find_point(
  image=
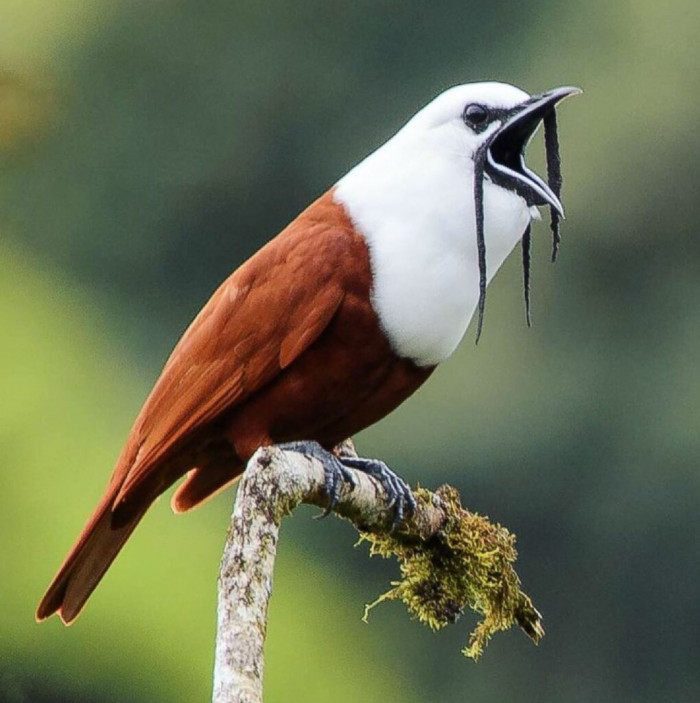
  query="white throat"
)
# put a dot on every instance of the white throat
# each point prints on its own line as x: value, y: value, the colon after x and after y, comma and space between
x: 413, y: 201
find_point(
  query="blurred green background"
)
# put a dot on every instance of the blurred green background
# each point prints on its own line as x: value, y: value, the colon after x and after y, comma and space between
x: 147, y: 148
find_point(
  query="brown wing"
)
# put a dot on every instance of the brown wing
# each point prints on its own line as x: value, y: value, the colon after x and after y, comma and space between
x: 256, y: 324
x: 261, y: 319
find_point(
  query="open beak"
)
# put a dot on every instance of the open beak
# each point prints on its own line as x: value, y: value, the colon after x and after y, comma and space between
x: 505, y: 157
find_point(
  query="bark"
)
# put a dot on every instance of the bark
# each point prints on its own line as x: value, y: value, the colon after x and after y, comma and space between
x: 274, y: 483
x: 451, y: 560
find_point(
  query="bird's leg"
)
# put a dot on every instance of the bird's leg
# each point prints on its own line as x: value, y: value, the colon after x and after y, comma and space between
x: 333, y: 468
x: 336, y: 470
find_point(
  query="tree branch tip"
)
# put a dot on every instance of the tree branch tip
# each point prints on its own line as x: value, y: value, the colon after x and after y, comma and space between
x: 450, y: 559
x: 467, y: 563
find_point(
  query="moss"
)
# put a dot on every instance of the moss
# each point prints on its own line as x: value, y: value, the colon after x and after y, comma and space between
x: 468, y: 563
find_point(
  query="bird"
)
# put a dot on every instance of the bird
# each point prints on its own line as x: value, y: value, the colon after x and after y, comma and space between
x: 335, y: 321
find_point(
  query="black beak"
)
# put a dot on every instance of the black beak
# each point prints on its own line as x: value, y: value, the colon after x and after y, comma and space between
x: 505, y: 156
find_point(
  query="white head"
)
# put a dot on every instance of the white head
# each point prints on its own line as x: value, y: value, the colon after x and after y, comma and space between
x: 414, y: 201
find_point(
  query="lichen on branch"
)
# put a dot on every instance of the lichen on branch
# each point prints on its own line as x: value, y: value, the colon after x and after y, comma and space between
x: 467, y: 563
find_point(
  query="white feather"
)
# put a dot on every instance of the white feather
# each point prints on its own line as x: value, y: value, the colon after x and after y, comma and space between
x: 413, y: 201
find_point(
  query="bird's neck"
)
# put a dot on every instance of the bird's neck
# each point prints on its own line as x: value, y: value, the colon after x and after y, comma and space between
x: 413, y: 202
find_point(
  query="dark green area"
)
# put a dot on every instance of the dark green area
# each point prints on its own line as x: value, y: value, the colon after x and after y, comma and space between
x: 177, y: 136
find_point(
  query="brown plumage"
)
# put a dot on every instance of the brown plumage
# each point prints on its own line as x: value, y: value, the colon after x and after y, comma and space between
x: 288, y: 348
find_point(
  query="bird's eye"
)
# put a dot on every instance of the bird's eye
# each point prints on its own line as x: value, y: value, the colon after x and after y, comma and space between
x: 475, y: 114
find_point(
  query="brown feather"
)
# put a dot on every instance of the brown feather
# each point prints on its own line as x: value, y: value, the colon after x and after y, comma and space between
x: 289, y: 347
x: 91, y: 556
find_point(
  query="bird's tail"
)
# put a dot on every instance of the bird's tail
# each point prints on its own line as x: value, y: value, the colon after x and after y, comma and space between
x: 110, y: 525
x: 98, y: 544
x: 96, y: 548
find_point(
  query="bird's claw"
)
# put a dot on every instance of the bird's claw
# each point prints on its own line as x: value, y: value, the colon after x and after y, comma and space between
x: 336, y: 473
x: 400, y: 497
x: 337, y: 470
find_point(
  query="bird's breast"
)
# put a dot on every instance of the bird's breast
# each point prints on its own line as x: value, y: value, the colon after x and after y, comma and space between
x: 418, y: 221
x: 424, y: 296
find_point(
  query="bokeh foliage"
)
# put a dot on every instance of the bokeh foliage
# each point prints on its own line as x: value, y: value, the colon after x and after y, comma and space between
x: 147, y: 148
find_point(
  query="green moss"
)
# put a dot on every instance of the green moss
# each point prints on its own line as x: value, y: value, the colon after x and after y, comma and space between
x: 467, y: 564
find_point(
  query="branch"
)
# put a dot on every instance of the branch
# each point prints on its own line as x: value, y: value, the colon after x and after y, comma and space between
x: 440, y: 539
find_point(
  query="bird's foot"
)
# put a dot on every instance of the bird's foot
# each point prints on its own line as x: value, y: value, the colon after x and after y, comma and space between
x: 335, y: 472
x: 398, y: 491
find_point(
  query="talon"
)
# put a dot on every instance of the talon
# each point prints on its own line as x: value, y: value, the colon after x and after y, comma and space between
x: 334, y: 471
x: 412, y: 505
x: 398, y: 517
x: 337, y: 470
x: 335, y: 474
x: 397, y: 490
